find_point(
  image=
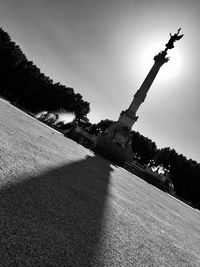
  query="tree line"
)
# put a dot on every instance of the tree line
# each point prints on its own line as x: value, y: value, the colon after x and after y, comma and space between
x: 22, y: 83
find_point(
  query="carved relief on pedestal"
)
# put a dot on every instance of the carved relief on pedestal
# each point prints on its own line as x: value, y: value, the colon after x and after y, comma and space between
x: 119, y: 134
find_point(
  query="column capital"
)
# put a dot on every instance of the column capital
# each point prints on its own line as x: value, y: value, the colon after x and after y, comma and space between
x: 161, y: 58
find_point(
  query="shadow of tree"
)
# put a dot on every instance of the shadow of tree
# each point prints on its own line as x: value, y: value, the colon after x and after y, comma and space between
x: 54, y: 219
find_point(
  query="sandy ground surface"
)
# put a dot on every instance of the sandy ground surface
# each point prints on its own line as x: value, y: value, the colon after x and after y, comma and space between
x: 61, y: 205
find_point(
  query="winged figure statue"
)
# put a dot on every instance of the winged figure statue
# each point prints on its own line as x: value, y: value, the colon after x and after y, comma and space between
x: 173, y: 39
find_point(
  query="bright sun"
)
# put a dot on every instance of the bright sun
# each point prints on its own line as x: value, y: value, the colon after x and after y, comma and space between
x: 173, y: 67
x: 143, y: 59
x: 170, y: 69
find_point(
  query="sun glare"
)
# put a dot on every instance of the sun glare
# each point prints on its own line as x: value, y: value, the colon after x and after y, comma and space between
x: 66, y: 117
x: 169, y: 70
x: 173, y: 68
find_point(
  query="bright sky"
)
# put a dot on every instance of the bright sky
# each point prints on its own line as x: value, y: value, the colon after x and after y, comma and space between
x: 105, y: 48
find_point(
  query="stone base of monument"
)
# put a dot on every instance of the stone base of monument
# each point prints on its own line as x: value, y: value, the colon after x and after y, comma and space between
x: 112, y: 151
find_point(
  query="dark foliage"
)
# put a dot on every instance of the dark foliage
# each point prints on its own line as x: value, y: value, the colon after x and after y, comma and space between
x: 99, y: 127
x: 185, y: 174
x: 23, y: 84
x: 143, y: 148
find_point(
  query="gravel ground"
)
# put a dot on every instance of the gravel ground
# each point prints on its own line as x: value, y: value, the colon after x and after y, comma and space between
x: 61, y: 205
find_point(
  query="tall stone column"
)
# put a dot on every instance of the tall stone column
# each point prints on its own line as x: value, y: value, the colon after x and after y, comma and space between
x: 128, y: 118
x: 120, y: 132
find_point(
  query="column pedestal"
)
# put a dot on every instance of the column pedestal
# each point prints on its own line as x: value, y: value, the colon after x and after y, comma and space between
x: 127, y: 118
x: 113, y: 151
x: 115, y: 142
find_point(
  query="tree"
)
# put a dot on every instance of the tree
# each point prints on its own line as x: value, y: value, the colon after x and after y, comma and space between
x: 24, y: 84
x: 185, y: 174
x: 103, y: 125
x: 99, y: 127
x: 143, y: 148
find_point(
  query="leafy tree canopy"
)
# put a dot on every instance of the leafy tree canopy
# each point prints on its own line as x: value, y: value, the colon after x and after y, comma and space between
x: 24, y: 84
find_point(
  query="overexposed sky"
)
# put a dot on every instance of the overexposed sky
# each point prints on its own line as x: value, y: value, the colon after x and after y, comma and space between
x: 104, y: 50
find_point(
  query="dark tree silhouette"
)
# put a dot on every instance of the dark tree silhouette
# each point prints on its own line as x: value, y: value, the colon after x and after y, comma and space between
x: 103, y: 125
x: 143, y: 148
x: 99, y: 127
x: 185, y: 174
x: 25, y: 85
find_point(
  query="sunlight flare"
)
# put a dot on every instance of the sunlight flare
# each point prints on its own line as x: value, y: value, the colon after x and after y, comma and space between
x: 171, y: 69
x: 66, y: 117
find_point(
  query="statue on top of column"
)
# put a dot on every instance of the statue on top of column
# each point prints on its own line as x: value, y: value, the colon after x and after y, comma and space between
x: 173, y: 39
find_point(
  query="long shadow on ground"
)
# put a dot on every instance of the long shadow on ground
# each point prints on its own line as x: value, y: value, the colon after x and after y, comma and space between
x: 54, y: 219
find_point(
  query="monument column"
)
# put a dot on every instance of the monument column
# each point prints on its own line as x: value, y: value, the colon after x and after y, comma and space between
x: 128, y: 117
x: 115, y: 142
